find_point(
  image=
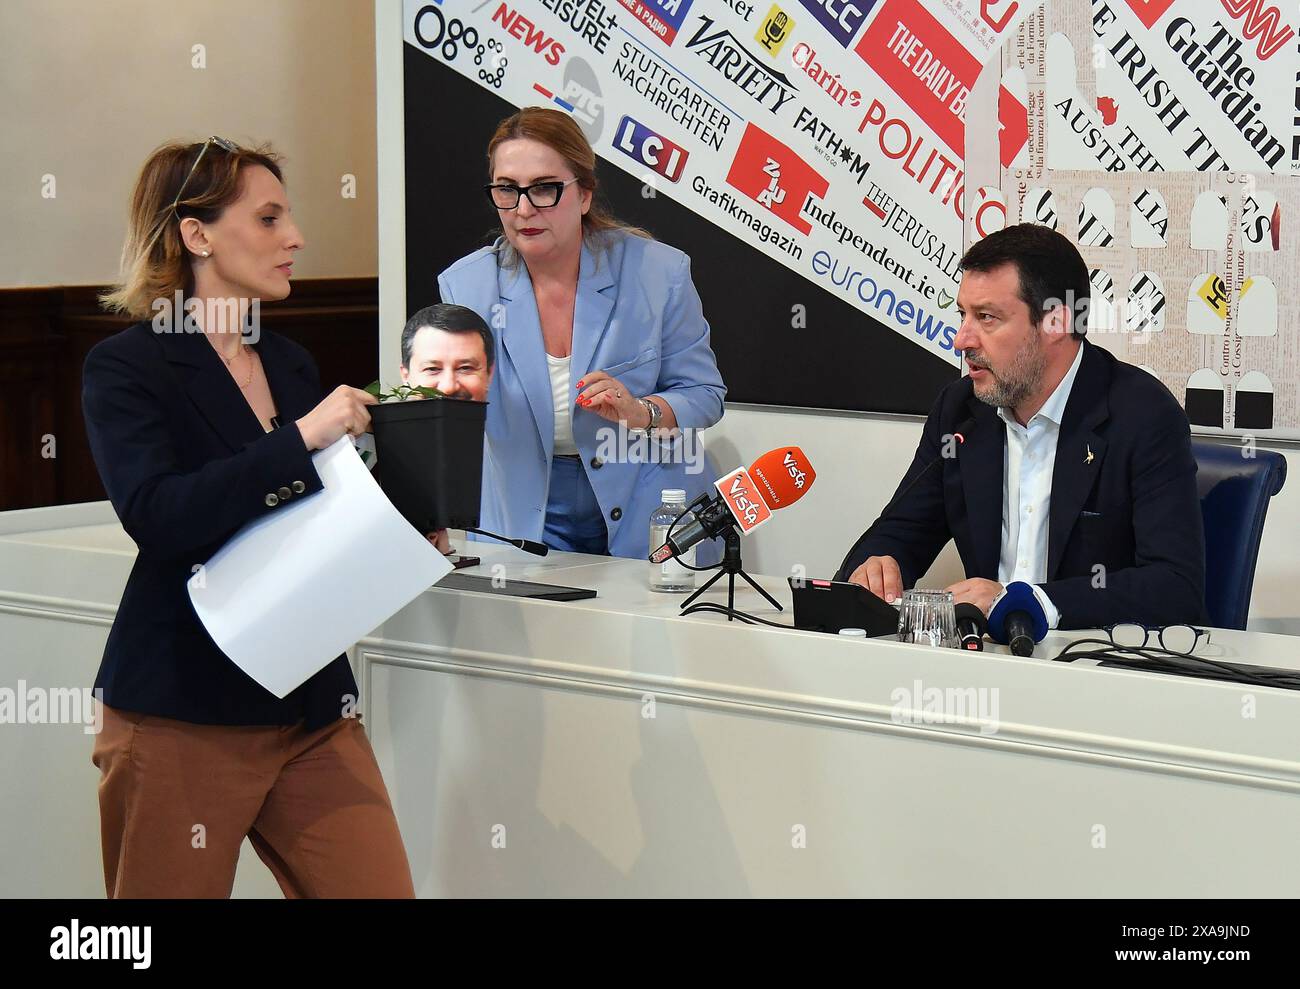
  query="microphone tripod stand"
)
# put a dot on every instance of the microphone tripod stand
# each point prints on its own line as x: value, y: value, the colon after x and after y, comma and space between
x: 732, y: 568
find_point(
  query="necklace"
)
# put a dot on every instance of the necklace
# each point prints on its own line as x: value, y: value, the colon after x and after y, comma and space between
x: 246, y: 350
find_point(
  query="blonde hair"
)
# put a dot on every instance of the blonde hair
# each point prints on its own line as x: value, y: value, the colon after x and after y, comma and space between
x: 155, y: 261
x: 561, y: 133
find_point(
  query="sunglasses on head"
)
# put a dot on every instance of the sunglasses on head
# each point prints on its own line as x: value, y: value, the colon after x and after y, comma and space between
x: 223, y: 144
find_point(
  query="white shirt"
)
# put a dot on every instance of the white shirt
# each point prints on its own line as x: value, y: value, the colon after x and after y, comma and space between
x: 558, y: 367
x: 1030, y: 457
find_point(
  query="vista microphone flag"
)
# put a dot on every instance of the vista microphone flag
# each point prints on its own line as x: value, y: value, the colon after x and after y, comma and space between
x: 740, y: 494
x: 746, y: 499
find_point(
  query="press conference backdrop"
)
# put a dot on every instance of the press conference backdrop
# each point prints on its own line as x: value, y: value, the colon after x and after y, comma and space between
x: 812, y: 156
x: 686, y: 155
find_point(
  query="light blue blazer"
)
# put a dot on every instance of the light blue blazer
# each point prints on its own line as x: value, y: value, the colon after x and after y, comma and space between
x: 637, y: 317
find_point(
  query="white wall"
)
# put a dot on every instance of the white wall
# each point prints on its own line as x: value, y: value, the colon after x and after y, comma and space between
x: 859, y: 461
x: 90, y: 88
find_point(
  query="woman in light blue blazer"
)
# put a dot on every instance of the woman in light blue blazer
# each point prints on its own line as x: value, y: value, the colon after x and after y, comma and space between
x: 604, y: 369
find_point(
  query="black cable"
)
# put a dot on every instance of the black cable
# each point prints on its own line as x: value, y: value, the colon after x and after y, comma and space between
x: 1153, y: 654
x: 1154, y: 659
x: 1156, y: 664
x: 722, y: 609
x: 669, y: 536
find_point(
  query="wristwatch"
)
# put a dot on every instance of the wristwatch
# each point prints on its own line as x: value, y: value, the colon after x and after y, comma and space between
x: 656, y: 414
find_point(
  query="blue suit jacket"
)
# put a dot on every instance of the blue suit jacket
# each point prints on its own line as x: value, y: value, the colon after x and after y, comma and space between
x: 637, y: 317
x: 1129, y: 512
x: 186, y: 464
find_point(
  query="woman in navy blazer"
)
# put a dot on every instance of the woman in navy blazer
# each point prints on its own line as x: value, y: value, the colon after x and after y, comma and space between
x: 199, y: 426
x: 604, y: 370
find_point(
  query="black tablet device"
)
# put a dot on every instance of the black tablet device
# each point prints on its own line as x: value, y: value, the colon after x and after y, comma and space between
x: 830, y: 605
x: 514, y: 588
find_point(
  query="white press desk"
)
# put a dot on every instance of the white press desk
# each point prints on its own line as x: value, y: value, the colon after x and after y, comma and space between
x: 610, y: 747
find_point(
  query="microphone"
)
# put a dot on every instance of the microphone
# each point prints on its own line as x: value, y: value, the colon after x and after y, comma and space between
x: 745, y: 499
x: 959, y: 434
x: 1018, y: 620
x: 527, y: 545
x: 971, y: 626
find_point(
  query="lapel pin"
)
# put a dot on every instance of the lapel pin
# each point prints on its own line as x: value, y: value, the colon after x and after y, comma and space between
x: 1089, y: 458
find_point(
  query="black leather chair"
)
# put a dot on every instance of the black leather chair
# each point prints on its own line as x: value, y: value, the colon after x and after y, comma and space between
x: 1234, y: 491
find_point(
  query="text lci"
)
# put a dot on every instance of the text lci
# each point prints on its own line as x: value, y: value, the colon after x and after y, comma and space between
x: 655, y: 151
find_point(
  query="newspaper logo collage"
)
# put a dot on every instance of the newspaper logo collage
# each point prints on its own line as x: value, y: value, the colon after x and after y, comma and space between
x: 863, y: 144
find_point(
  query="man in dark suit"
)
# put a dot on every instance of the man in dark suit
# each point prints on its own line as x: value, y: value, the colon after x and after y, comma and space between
x: 1050, y: 462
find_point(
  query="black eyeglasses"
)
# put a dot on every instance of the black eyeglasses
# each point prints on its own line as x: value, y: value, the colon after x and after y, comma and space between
x: 227, y: 146
x: 542, y: 195
x: 1172, y: 638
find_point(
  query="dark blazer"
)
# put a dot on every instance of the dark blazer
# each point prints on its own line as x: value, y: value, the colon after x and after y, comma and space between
x: 1132, y: 510
x: 186, y: 463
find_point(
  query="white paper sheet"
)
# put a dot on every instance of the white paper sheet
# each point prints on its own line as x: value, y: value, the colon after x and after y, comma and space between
x: 291, y: 591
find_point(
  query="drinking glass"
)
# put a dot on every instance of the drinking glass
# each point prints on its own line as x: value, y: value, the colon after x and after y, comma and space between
x: 927, y: 617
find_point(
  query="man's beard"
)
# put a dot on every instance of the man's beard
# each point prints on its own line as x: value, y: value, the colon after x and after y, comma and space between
x: 1018, y: 380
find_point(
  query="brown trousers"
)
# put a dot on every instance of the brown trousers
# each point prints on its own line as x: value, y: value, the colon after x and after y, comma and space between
x: 176, y: 801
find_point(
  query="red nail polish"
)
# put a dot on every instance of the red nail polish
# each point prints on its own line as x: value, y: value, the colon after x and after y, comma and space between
x: 581, y: 384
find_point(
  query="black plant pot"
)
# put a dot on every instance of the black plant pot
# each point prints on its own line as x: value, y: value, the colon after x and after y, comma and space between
x: 430, y: 460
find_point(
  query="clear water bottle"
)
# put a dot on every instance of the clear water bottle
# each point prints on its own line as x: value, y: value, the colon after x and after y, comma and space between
x: 670, y: 575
